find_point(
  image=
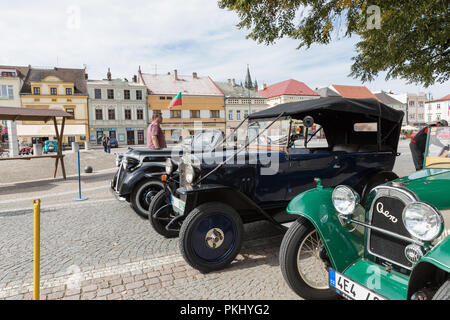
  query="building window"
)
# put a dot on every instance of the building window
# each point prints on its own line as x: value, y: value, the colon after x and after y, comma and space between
x: 111, y: 114
x: 168, y: 98
x: 245, y: 113
x: 175, y: 114
x: 438, y: 106
x: 126, y: 94
x: 6, y: 91
x: 230, y: 115
x: 238, y: 115
x: 155, y: 112
x: 140, y: 114
x: 162, y: 98
x: 98, y: 114
x: 127, y: 114
x: 68, y: 91
x: 53, y: 91
x: 110, y: 93
x: 195, y: 113
x: 36, y: 90
x: 98, y: 93
x: 138, y: 94
x: 215, y: 114
x: 71, y: 111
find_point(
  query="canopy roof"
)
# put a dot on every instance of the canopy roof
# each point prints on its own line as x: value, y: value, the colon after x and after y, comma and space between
x: 31, y: 114
x: 323, y: 109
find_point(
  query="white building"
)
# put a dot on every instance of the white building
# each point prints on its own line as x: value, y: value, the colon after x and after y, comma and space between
x: 240, y: 102
x: 287, y: 91
x: 437, y: 109
x: 118, y: 109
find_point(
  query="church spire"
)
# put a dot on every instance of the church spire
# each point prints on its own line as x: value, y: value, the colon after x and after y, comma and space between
x: 248, y: 80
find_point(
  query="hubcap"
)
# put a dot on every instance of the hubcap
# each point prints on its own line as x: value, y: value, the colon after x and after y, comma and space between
x: 214, y: 238
x: 310, y: 265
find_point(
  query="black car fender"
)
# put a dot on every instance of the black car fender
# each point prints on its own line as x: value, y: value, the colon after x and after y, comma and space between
x: 370, y: 181
x: 247, y: 209
x: 143, y: 172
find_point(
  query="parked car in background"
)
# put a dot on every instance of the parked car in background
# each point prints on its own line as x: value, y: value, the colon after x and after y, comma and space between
x: 114, y: 143
x: 138, y: 177
x: 220, y: 192
x: 25, y: 149
x: 50, y: 146
x: 395, y: 245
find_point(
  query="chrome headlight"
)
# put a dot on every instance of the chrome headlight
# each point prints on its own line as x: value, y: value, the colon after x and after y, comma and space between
x: 345, y: 199
x: 169, y: 166
x: 423, y: 221
x: 189, y: 173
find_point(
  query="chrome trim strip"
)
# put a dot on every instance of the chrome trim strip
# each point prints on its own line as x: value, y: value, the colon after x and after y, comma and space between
x: 387, y: 232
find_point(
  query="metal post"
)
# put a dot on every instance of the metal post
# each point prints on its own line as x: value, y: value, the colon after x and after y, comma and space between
x: 80, y: 198
x: 36, y: 257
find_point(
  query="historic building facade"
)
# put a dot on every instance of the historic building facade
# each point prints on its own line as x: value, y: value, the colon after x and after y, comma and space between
x: 56, y: 88
x: 118, y: 109
x: 240, y: 102
x: 202, y: 103
x: 438, y: 109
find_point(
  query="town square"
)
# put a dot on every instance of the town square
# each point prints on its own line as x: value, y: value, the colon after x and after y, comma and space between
x: 225, y: 151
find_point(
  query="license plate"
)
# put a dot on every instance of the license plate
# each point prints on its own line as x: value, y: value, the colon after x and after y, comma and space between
x: 351, y: 289
x: 178, y: 204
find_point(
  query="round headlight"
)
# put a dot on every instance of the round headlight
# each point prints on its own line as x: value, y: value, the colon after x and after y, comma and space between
x: 344, y: 199
x: 422, y: 221
x: 169, y: 166
x: 189, y: 173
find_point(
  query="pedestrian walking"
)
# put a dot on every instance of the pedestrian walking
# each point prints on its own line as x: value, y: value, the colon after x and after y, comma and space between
x: 418, y: 143
x: 155, y: 136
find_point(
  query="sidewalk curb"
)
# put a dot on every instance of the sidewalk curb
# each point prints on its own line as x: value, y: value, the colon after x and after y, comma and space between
x: 75, y: 176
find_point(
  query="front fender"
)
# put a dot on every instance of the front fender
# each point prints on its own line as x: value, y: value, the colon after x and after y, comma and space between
x: 439, y: 256
x: 145, y: 171
x: 343, y: 245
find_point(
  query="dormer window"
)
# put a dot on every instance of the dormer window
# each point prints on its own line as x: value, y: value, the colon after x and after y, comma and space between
x: 68, y: 91
x: 53, y: 91
x: 36, y: 90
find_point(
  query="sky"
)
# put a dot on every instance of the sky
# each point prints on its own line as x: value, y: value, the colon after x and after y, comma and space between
x: 161, y: 36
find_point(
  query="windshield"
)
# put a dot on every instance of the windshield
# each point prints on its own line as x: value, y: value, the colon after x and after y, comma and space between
x: 437, y: 153
x: 206, y: 139
x: 276, y: 135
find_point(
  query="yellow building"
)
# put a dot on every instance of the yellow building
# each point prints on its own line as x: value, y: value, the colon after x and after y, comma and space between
x: 58, y: 88
x: 203, y: 103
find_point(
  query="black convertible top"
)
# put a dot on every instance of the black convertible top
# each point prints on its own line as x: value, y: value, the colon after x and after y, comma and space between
x: 322, y: 107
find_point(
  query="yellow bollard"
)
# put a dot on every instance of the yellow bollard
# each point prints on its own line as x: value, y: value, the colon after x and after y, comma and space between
x: 37, y: 256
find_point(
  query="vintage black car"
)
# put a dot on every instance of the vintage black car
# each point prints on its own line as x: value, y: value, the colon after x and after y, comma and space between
x: 137, y: 179
x: 221, y: 190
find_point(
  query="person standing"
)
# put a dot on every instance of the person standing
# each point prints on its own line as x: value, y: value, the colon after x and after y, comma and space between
x: 108, y: 144
x: 155, y: 136
x: 105, y: 146
x: 418, y: 144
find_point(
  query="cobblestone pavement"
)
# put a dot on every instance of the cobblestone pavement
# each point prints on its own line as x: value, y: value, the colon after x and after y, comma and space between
x: 103, y: 249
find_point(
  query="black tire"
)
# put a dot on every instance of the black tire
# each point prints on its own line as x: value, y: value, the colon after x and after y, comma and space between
x: 138, y: 197
x: 159, y: 200
x: 211, y: 217
x: 290, y: 245
x: 444, y: 292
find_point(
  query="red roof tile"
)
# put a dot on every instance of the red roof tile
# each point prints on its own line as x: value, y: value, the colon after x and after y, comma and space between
x: 447, y: 97
x: 288, y: 87
x: 355, y: 92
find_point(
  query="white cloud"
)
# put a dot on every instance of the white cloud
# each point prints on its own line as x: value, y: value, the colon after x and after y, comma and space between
x: 190, y: 36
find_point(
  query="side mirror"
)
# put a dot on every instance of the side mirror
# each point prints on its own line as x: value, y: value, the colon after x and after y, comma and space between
x: 308, y: 121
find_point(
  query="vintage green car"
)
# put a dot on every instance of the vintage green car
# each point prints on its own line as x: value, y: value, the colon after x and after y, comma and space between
x: 396, y: 245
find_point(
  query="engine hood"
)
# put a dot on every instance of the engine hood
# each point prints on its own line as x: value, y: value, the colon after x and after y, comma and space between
x: 430, y: 185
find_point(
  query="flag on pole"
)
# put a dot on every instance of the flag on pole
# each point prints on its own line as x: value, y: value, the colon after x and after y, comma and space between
x: 177, y: 101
